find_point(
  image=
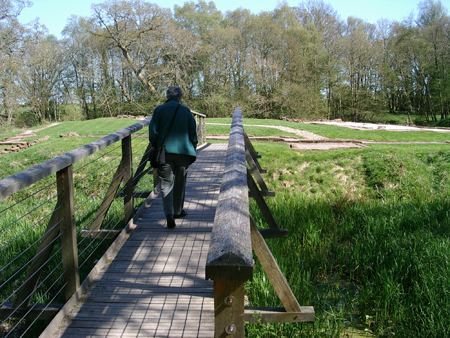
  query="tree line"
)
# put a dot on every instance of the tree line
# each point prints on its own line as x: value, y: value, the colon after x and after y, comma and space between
x: 300, y: 62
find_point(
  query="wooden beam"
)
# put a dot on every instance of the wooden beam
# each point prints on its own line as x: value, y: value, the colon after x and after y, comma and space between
x: 100, y: 234
x: 261, y: 203
x: 142, y: 164
x: 109, y: 198
x: 229, y: 308
x: 269, y: 193
x: 255, y: 172
x: 278, y: 315
x: 270, y: 266
x: 141, y: 194
x: 269, y: 233
x: 33, y: 311
x: 31, y: 175
x: 254, y: 153
x: 69, y: 250
x: 230, y: 255
x: 128, y: 187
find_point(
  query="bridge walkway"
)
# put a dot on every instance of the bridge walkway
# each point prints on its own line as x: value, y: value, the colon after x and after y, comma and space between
x: 155, y: 286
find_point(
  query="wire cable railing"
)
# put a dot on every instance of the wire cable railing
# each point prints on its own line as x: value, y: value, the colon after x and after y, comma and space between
x: 59, y: 218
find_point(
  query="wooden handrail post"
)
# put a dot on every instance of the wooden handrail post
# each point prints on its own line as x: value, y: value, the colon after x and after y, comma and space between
x: 229, y: 308
x: 127, y: 164
x: 69, y: 250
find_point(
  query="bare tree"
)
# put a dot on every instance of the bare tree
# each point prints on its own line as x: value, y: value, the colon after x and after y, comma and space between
x: 137, y: 29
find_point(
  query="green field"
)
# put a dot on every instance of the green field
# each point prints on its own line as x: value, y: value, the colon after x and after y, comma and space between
x: 369, y: 243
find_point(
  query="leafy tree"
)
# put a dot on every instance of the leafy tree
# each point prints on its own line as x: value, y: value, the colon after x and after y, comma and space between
x: 41, y: 74
x: 12, y: 35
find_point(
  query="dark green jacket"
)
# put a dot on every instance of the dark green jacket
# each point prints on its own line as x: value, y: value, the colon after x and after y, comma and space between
x: 183, y: 135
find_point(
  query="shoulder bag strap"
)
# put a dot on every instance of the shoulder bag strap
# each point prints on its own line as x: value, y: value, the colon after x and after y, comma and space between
x: 171, y: 124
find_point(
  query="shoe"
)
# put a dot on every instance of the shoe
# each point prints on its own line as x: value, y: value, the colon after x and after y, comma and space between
x: 183, y: 213
x: 170, y: 221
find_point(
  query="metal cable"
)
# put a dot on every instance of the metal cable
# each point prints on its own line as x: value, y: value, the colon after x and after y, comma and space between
x: 23, y: 252
x: 21, y: 319
x: 17, y: 289
x: 92, y: 172
x: 29, y: 212
x: 29, y: 228
x: 99, y: 155
x: 48, y: 304
x: 33, y: 194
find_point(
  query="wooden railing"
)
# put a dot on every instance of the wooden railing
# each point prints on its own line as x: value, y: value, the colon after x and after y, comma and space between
x: 230, y: 261
x: 65, y: 233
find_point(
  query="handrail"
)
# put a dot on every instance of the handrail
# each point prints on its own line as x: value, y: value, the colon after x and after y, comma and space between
x: 27, y: 177
x: 230, y: 262
x: 230, y: 255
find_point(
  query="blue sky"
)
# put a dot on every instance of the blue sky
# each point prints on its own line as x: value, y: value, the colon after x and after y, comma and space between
x: 54, y: 13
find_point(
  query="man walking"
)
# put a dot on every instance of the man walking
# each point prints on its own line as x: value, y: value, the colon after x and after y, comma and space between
x: 180, y: 151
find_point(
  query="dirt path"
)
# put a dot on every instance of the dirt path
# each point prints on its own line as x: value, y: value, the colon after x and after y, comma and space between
x: 313, y: 141
x: 28, y: 133
x: 302, y: 133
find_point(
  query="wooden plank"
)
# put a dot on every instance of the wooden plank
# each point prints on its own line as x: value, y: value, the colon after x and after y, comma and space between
x: 109, y: 198
x: 271, y: 222
x: 128, y: 187
x: 33, y: 311
x: 230, y: 256
x: 31, y: 175
x: 69, y: 249
x: 100, y: 234
x: 229, y: 308
x: 278, y: 315
x: 273, y: 271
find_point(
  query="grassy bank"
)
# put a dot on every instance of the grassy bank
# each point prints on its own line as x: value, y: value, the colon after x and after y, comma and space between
x: 369, y: 240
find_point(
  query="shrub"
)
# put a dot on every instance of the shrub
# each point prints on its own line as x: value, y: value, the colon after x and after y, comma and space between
x: 444, y: 123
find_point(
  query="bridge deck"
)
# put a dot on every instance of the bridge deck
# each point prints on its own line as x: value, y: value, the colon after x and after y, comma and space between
x: 155, y: 286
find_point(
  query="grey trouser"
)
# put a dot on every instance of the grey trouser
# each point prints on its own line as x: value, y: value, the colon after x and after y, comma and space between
x: 173, y: 182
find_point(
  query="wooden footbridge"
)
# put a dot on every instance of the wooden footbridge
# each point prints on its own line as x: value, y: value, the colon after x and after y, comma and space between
x: 160, y: 282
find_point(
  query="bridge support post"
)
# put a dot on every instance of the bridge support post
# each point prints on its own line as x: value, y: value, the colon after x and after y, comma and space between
x: 69, y: 248
x: 229, y: 308
x: 127, y: 177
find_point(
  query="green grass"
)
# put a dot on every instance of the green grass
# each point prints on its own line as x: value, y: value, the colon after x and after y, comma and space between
x: 369, y: 239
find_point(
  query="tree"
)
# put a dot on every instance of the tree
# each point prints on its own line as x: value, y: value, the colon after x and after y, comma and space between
x: 325, y: 30
x: 41, y: 72
x: 12, y: 35
x: 138, y: 30
x: 434, y: 25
